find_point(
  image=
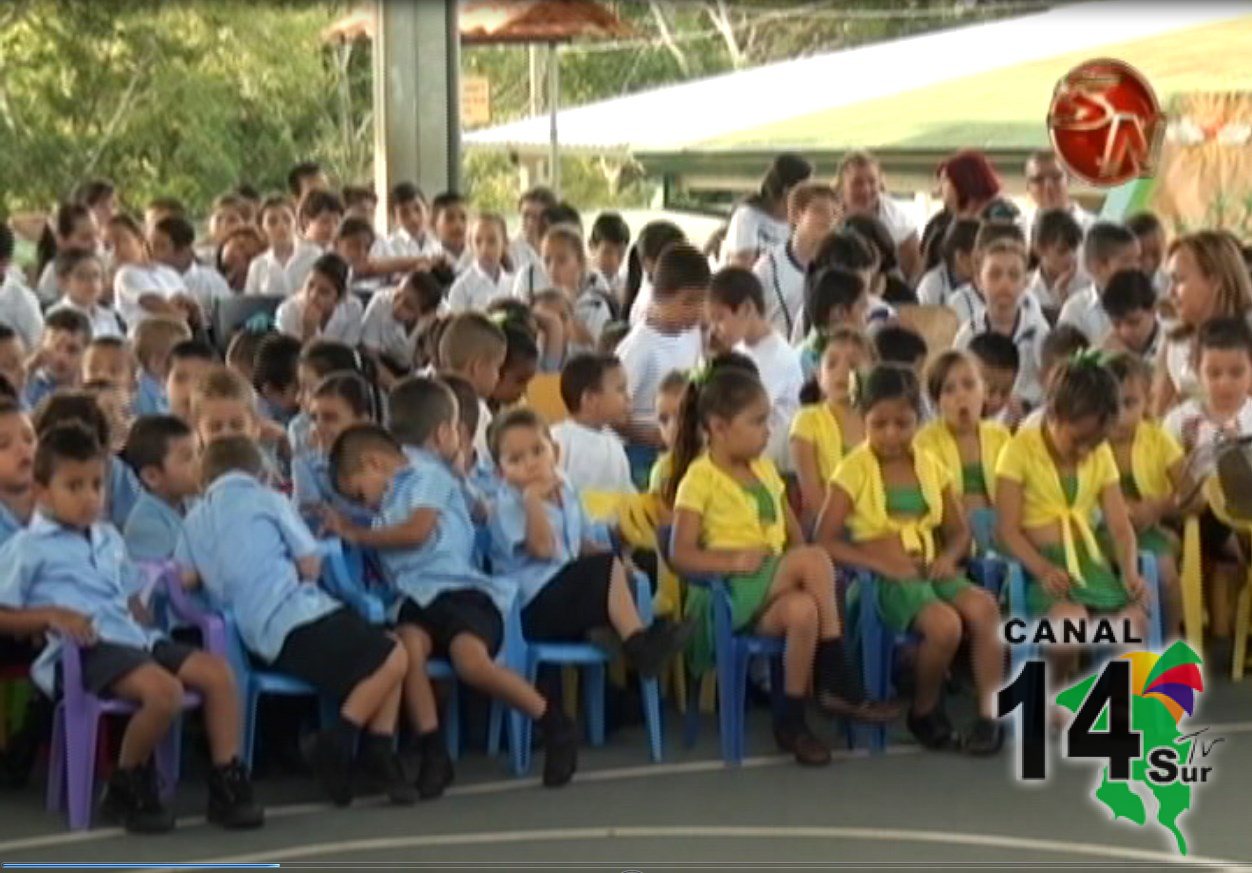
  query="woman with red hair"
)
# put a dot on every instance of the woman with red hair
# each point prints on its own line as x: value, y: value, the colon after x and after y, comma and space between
x: 968, y: 185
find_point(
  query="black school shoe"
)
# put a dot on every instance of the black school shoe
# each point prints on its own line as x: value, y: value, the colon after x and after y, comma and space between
x: 648, y: 650
x: 435, y: 772
x: 804, y: 745
x: 230, y: 798
x: 933, y: 730
x: 131, y: 798
x: 332, y: 765
x: 985, y: 737
x: 380, y: 766
x: 560, y: 747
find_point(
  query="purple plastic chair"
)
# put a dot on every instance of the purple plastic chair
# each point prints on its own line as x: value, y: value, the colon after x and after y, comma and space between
x: 75, y: 730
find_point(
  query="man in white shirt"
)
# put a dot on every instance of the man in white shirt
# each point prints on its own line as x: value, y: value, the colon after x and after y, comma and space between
x: 863, y: 193
x: 524, y: 248
x: 1109, y: 248
x: 812, y: 208
x: 591, y: 454
x: 1047, y: 183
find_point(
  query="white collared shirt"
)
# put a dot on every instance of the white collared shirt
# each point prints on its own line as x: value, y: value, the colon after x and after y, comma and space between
x: 899, y: 223
x: 783, y: 281
x: 206, y: 285
x: 269, y: 276
x: 936, y: 286
x: 134, y: 281
x: 1047, y: 296
x: 752, y: 231
x: 344, y: 323
x: 1029, y: 332
x: 522, y: 254
x: 593, y: 459
x: 648, y: 356
x: 474, y: 289
x: 779, y: 366
x: 19, y: 309
x: 1084, y: 311
x: 383, y: 334
x: 401, y: 244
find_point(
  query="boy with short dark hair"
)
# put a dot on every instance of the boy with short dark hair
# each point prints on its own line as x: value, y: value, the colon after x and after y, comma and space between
x: 189, y: 361
x: 320, y: 214
x: 450, y: 220
x: 66, y: 573
x: 1109, y: 249
x: 1150, y: 232
x: 783, y: 270
x: 608, y: 242
x: 57, y: 363
x: 410, y: 237
x: 252, y: 552
x: 173, y: 243
x: 591, y: 454
x: 1055, y: 239
x: 474, y: 347
x: 1130, y: 303
x: 163, y: 452
x: 998, y: 363
x: 425, y: 539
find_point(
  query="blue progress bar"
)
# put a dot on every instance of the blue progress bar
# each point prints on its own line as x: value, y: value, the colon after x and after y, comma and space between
x: 114, y: 866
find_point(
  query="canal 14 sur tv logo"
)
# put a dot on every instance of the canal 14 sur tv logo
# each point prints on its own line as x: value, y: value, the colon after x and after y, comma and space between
x: 1129, y: 715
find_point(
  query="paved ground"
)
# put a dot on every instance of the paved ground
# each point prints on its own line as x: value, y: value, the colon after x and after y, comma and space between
x: 905, y: 807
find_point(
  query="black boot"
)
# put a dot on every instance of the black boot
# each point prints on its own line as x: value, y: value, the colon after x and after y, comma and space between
x: 23, y: 749
x: 333, y: 750
x: 933, y: 730
x: 381, y: 766
x: 131, y: 797
x: 230, y: 798
x: 792, y: 734
x: 560, y: 747
x: 648, y: 650
x: 839, y: 690
x: 984, y: 738
x: 435, y: 772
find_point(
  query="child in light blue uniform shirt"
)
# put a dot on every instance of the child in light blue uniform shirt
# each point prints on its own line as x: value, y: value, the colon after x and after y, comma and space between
x: 336, y: 403
x: 164, y: 451
x: 250, y: 549
x: 67, y: 572
x: 539, y: 539
x: 449, y: 609
x: 153, y: 340
x: 150, y: 397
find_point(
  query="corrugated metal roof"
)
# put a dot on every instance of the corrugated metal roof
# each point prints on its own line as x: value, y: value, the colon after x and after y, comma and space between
x: 483, y: 22
x: 719, y: 106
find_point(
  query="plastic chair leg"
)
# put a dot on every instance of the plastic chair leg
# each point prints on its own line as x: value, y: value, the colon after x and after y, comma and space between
x: 593, y: 678
x: 738, y: 701
x: 495, y: 725
x: 726, y: 703
x: 691, y: 712
x: 1192, y: 585
x: 527, y: 727
x: 650, y: 689
x: 1243, y: 617
x: 55, y: 799
x: 251, y: 703
x: 452, y: 721
x: 80, y: 761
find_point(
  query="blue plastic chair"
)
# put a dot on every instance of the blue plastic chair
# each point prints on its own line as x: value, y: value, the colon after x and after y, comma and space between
x: 732, y: 652
x: 641, y: 458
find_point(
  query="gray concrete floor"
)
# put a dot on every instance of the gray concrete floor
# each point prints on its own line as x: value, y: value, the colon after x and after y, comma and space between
x: 905, y: 807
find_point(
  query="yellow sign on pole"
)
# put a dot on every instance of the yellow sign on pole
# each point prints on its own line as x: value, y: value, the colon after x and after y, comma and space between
x: 475, y: 100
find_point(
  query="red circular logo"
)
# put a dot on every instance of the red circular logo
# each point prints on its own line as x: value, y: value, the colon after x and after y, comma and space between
x: 1105, y: 123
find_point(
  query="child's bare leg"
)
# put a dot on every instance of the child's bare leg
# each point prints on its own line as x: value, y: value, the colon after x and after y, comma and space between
x: 794, y: 616
x: 419, y: 695
x: 159, y: 696
x: 981, y: 617
x: 808, y: 569
x: 474, y: 664
x: 623, y: 614
x: 211, y: 676
x: 373, y: 694
x: 1062, y: 659
x: 940, y: 627
x: 1171, y: 595
x: 1137, y: 616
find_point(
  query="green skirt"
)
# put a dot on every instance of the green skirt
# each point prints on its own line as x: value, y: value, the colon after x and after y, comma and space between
x: 747, y: 595
x: 1103, y: 591
x: 901, y: 602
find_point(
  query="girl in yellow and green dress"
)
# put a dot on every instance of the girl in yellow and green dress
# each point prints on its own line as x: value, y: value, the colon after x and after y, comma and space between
x: 1052, y: 477
x: 828, y: 426
x: 892, y: 509
x: 731, y: 520
x: 1151, y: 465
x: 967, y: 444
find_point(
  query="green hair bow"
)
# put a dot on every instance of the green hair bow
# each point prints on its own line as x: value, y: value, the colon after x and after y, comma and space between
x: 1090, y: 357
x: 699, y: 376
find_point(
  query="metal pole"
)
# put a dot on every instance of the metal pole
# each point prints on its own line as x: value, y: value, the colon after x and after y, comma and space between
x: 554, y: 103
x: 532, y: 50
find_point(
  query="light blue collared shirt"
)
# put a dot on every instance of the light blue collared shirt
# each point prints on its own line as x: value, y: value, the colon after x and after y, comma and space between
x: 9, y: 523
x: 150, y: 397
x: 152, y: 531
x: 243, y: 540
x: 445, y: 562
x: 38, y: 386
x: 300, y: 433
x: 311, y: 488
x: 50, y: 564
x: 509, y: 555
x: 123, y: 491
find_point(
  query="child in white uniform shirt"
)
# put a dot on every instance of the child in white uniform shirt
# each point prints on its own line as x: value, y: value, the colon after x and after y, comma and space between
x: 565, y: 261
x: 142, y: 287
x: 449, y: 219
x: 759, y: 223
x: 73, y: 227
x: 1055, y: 239
x: 1148, y: 229
x: 1130, y: 303
x: 19, y: 308
x: 173, y: 244
x: 654, y: 238
x: 394, y: 322
x: 282, y: 268
x: 486, y: 279
x: 323, y: 308
x: 735, y: 312
x: 609, y: 240
x: 957, y: 266
x: 1002, y: 277
x: 590, y: 454
x: 811, y: 207
x: 1108, y: 249
x: 1224, y: 348
x: 668, y: 338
